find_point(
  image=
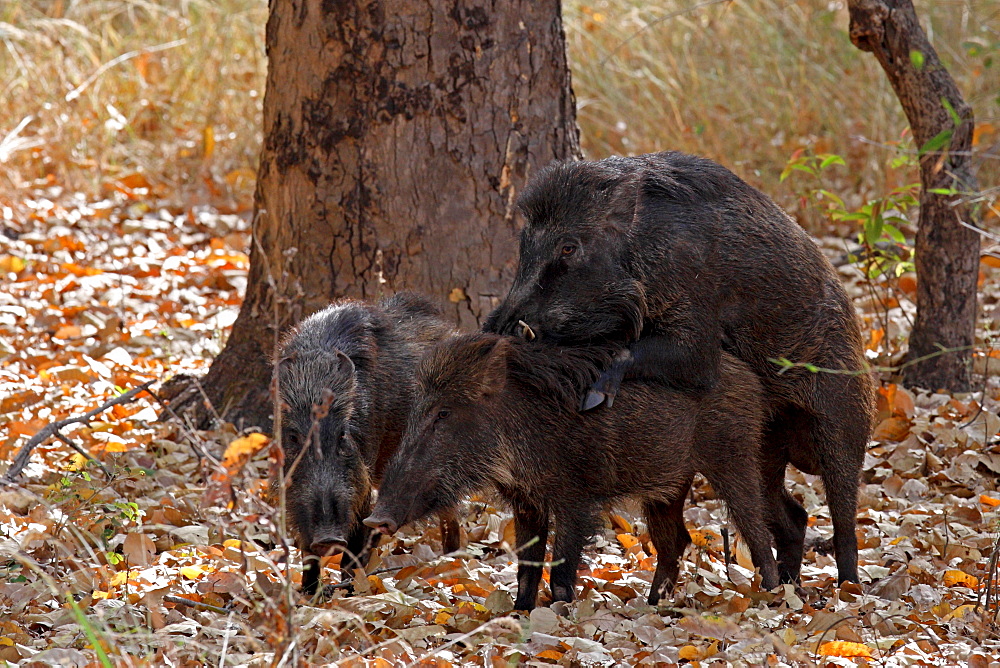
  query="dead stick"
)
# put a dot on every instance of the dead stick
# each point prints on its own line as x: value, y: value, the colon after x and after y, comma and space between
x: 83, y: 453
x: 46, y: 432
x: 177, y: 600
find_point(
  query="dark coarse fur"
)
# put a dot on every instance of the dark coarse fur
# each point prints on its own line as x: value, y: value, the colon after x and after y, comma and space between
x: 677, y: 256
x: 498, y: 412
x: 347, y: 379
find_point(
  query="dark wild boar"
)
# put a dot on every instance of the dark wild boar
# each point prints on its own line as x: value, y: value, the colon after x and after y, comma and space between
x: 347, y: 377
x: 497, y: 412
x: 679, y: 258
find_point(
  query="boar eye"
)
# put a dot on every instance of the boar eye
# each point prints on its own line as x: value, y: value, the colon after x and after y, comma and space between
x: 442, y: 414
x: 568, y: 249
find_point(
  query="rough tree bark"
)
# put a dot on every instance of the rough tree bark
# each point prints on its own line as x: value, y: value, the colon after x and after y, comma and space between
x: 947, y: 253
x: 396, y: 135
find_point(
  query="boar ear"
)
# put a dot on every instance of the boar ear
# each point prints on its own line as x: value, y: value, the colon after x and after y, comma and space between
x: 345, y: 368
x: 494, y: 371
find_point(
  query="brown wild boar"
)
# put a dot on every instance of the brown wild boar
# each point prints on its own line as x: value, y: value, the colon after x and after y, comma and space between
x: 347, y: 378
x: 679, y: 258
x: 499, y: 412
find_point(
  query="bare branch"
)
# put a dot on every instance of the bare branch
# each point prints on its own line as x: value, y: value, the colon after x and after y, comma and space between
x: 50, y: 430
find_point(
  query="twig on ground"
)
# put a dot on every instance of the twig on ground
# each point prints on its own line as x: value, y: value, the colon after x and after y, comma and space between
x: 186, y: 431
x: 49, y: 430
x: 83, y: 453
x: 196, y: 604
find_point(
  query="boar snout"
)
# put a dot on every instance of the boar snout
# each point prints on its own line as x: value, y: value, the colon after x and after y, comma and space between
x: 328, y: 543
x: 382, y: 524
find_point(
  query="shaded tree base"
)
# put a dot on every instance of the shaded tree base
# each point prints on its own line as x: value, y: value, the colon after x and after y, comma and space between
x: 949, y: 372
x: 235, y: 389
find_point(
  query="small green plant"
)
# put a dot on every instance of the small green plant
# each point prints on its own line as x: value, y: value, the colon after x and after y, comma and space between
x: 885, y: 250
x: 79, y: 496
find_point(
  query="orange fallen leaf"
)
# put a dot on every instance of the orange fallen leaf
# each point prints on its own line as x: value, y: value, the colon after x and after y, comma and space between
x: 550, y: 654
x: 988, y: 500
x: 620, y: 524
x: 908, y: 284
x: 376, y: 584
x: 241, y: 450
x: 627, y: 540
x: 68, y: 332
x: 689, y: 653
x: 892, y: 429
x: 845, y: 648
x: 11, y: 264
x: 990, y: 260
x: 875, y: 338
x: 956, y: 577
x: 708, y: 539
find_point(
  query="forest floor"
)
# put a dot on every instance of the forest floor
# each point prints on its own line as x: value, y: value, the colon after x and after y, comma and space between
x: 162, y: 551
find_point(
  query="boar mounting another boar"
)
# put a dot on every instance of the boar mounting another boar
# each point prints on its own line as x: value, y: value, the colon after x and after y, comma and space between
x: 677, y: 257
x: 346, y: 376
x: 498, y: 412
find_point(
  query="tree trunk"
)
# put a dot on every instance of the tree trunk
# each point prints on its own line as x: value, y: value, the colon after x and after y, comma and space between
x: 947, y: 253
x: 396, y: 135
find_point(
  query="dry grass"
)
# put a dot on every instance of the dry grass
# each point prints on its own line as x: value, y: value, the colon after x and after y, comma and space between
x: 170, y: 88
x: 748, y: 83
x: 745, y: 83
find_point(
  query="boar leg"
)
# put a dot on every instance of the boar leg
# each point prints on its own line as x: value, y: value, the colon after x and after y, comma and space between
x: 451, y: 536
x: 741, y: 488
x: 357, y: 552
x: 670, y: 538
x: 841, y: 477
x: 785, y: 517
x: 573, y: 528
x: 310, y: 574
x: 531, y: 526
x: 787, y: 520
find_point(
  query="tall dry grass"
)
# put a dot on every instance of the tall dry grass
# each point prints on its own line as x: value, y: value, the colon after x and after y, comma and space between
x: 91, y: 91
x: 96, y: 90
x: 747, y: 83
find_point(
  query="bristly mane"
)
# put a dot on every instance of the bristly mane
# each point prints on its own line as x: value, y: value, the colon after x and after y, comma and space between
x: 347, y: 326
x: 564, y: 190
x: 560, y: 373
x: 567, y: 190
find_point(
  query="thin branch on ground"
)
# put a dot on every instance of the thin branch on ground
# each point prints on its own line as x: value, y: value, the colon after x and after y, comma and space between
x: 50, y: 430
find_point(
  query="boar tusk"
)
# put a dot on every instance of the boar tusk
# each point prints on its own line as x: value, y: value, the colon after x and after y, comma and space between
x: 526, y: 331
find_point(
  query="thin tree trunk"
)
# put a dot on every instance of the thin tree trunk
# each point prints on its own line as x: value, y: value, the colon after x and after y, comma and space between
x: 396, y: 135
x: 947, y: 253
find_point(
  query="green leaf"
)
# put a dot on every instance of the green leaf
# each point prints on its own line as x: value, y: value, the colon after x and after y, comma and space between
x: 831, y: 196
x: 894, y: 233
x: 936, y: 142
x: 917, y: 58
x: 831, y: 159
x: 904, y: 160
x: 873, y: 230
x: 944, y: 191
x: 90, y: 632
x: 955, y: 118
